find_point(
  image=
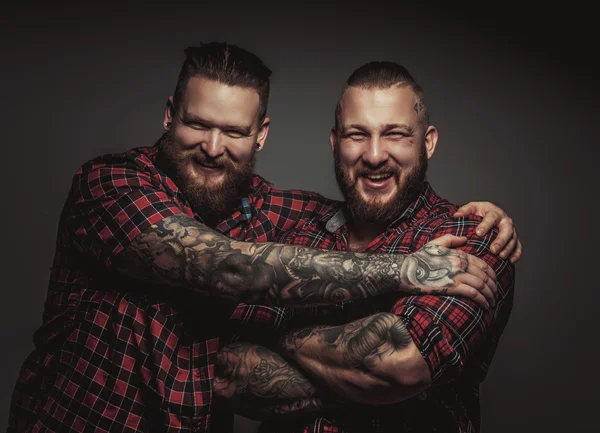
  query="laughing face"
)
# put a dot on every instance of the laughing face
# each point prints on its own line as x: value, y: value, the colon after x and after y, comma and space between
x: 381, y: 149
x: 210, y: 144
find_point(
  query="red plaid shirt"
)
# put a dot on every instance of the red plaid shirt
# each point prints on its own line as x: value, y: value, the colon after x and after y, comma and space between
x: 456, y: 338
x: 118, y: 355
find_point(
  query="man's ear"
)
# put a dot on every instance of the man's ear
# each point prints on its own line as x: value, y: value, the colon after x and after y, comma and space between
x: 431, y: 138
x: 168, y: 119
x: 332, y: 138
x: 263, y: 132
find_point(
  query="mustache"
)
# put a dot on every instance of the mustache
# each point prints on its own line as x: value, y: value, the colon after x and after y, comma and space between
x: 367, y: 171
x: 202, y: 158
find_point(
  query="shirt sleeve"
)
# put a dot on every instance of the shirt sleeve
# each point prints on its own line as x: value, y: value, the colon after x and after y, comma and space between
x: 110, y: 203
x: 450, y: 331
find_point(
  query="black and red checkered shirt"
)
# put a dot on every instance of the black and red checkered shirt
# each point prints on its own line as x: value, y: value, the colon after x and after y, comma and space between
x: 456, y: 338
x: 119, y: 355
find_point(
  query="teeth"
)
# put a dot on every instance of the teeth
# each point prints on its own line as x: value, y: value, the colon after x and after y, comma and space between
x: 379, y: 176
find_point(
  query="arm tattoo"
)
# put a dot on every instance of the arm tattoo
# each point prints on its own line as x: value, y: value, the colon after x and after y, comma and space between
x: 361, y: 344
x: 252, y: 380
x: 181, y: 252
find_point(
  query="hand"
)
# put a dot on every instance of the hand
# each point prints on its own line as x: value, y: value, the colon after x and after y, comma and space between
x: 507, y: 242
x: 438, y: 269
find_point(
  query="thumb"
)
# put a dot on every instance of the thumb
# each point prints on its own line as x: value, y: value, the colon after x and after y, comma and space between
x: 467, y: 209
x: 449, y: 241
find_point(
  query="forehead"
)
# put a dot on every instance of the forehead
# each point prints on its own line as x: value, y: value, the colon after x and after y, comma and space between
x: 218, y: 102
x: 375, y: 107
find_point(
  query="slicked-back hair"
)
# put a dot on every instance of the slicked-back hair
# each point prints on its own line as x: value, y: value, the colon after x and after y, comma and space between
x: 383, y: 75
x: 227, y: 64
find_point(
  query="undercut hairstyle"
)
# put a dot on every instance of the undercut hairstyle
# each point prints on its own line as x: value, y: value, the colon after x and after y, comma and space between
x: 383, y: 75
x: 227, y: 64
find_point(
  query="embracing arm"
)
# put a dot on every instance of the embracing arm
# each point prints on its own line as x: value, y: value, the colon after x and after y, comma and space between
x: 182, y: 252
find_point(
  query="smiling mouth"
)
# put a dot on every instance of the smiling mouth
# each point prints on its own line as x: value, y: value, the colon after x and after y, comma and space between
x: 377, y: 177
x: 208, y: 165
x: 377, y: 181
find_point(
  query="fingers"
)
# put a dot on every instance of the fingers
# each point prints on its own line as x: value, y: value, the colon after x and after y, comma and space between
x: 479, y: 284
x: 468, y: 209
x: 477, y: 262
x: 469, y: 292
x: 449, y: 241
x: 516, y: 255
x: 491, y: 219
x: 510, y: 246
x: 506, y: 230
x: 487, y: 275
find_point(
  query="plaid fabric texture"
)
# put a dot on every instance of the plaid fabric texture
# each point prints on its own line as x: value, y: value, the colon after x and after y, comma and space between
x: 117, y: 355
x: 456, y: 338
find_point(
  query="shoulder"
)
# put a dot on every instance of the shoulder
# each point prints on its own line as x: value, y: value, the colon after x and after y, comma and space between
x: 133, y: 168
x: 141, y: 158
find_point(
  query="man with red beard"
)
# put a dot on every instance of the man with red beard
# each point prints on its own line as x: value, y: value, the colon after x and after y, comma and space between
x: 427, y: 353
x: 153, y: 254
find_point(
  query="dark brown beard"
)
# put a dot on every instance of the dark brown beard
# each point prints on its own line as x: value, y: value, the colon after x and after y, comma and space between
x: 210, y: 203
x: 373, y: 211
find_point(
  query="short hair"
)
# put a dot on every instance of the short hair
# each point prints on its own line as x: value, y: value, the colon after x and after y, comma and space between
x: 227, y: 64
x: 383, y: 75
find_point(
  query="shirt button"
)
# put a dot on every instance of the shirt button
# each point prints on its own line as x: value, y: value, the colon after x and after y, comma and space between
x: 197, y: 374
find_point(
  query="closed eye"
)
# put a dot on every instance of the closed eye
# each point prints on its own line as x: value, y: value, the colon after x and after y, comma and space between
x: 356, y: 135
x: 396, y: 134
x: 234, y: 134
x: 197, y: 125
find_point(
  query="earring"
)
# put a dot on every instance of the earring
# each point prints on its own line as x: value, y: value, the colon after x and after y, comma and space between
x: 168, y: 125
x: 257, y: 146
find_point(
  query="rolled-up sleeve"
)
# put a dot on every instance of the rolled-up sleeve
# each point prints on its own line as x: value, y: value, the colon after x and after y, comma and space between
x: 448, y: 330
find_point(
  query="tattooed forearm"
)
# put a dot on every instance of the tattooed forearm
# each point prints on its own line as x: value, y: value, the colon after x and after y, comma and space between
x: 182, y: 252
x: 359, y: 344
x: 258, y: 383
x: 371, y: 360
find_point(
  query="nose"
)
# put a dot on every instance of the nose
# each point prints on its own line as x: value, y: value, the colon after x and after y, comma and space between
x: 375, y: 153
x: 213, y: 144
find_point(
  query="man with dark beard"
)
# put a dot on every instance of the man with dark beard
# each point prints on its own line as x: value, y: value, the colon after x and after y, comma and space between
x: 141, y: 288
x: 427, y: 353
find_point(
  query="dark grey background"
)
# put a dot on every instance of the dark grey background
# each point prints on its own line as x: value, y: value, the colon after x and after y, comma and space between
x: 513, y: 92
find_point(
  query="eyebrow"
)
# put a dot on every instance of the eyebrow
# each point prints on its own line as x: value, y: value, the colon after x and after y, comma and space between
x: 386, y: 128
x: 354, y: 126
x: 244, y: 129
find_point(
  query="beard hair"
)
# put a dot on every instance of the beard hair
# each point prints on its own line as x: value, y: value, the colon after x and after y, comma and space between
x: 374, y: 210
x: 211, y: 203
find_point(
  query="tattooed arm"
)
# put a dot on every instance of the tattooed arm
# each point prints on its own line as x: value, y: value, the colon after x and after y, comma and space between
x: 253, y: 381
x: 370, y: 360
x: 181, y: 252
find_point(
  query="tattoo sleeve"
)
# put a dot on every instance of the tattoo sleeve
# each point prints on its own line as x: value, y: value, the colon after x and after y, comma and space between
x: 181, y: 252
x: 360, y: 344
x: 371, y: 360
x: 258, y: 383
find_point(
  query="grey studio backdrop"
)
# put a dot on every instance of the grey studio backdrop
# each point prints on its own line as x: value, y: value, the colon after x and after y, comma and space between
x: 513, y: 93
